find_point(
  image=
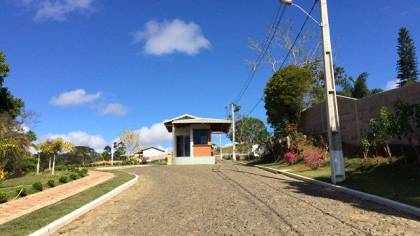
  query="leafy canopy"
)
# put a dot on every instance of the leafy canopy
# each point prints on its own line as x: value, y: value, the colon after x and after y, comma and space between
x: 8, y: 103
x: 407, y: 62
x: 284, y: 95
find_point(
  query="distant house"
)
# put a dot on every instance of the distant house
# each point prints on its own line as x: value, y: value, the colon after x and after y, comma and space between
x: 192, y: 138
x: 152, y: 153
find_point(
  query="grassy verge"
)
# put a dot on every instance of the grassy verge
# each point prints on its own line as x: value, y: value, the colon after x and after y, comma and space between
x: 33, y: 221
x: 397, y: 181
x: 10, y: 186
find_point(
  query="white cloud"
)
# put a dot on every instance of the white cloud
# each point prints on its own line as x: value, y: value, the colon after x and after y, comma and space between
x: 74, y: 97
x: 116, y: 109
x: 79, y: 138
x: 155, y: 135
x: 173, y: 36
x: 57, y: 10
x: 391, y: 84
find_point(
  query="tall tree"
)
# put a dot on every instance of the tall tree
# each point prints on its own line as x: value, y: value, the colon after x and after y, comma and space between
x: 8, y: 103
x: 407, y: 62
x: 284, y: 95
x: 360, y: 88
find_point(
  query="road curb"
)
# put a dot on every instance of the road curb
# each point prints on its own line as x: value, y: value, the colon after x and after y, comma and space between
x: 55, y: 225
x: 412, y: 210
x: 121, y: 167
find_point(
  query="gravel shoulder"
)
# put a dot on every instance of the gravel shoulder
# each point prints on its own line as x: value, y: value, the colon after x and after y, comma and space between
x: 233, y: 199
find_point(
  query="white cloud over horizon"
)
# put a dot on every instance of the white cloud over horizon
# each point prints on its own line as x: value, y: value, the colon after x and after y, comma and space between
x: 391, y: 84
x: 115, y: 109
x: 57, y: 10
x: 74, y: 97
x: 79, y: 138
x: 155, y: 135
x: 167, y: 37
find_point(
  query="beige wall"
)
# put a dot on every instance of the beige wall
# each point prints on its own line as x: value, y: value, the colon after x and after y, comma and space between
x: 355, y: 114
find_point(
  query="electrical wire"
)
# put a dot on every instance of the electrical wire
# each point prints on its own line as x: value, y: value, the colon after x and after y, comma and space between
x: 287, y: 55
x: 276, y: 23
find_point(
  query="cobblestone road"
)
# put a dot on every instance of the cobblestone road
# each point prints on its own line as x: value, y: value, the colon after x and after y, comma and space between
x: 238, y: 200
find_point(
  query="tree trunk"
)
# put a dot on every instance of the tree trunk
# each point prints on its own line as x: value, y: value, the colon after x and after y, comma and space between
x: 388, y: 152
x: 49, y: 164
x: 53, y: 166
x: 37, y: 165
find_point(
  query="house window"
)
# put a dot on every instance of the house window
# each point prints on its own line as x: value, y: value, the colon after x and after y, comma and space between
x: 201, y: 136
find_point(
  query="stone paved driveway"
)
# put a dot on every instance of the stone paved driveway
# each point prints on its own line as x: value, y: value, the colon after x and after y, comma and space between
x: 235, y: 200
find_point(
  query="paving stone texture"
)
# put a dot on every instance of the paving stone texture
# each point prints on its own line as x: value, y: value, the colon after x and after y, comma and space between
x: 231, y: 199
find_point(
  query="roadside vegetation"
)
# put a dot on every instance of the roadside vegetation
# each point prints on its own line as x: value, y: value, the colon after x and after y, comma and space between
x: 387, y: 161
x: 33, y: 221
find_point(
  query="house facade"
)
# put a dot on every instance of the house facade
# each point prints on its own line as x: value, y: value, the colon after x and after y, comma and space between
x: 191, y: 142
x: 152, y: 153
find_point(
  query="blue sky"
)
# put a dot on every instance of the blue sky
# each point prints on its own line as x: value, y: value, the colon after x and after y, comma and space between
x: 93, y: 68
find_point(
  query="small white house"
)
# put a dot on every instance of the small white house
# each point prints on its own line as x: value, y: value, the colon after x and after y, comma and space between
x: 152, y: 153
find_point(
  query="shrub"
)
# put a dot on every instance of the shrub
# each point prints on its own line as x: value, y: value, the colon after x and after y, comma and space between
x: 38, y: 186
x: 74, y: 176
x: 132, y: 161
x: 21, y: 192
x: 290, y: 157
x: 63, y: 179
x: 3, y: 197
x: 82, y: 172
x: 313, y: 160
x: 51, y: 183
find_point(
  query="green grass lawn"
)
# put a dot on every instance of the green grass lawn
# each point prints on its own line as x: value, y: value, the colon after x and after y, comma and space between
x: 31, y: 222
x: 397, y: 181
x: 10, y: 186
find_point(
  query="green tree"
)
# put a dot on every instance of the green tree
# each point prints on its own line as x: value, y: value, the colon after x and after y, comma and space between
x: 8, y: 103
x: 408, y: 124
x: 106, y: 153
x: 382, y: 130
x: 119, y: 150
x: 284, y: 95
x: 249, y: 131
x: 360, y: 88
x: 407, y: 62
x: 83, y: 154
x: 53, y: 148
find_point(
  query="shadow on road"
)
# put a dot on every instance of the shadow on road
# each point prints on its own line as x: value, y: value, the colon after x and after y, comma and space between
x: 324, y: 192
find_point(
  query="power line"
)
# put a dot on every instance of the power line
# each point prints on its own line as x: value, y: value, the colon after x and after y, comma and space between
x: 277, y: 19
x: 287, y: 55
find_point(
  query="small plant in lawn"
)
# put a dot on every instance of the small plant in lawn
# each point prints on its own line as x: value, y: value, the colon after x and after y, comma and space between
x: 313, y: 160
x: 51, y: 183
x: 3, y: 197
x: 38, y: 186
x: 74, y: 176
x: 21, y: 192
x: 63, y: 179
x: 290, y: 157
x: 366, y: 147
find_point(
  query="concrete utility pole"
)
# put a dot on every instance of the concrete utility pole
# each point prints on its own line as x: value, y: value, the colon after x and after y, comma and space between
x: 233, y: 134
x: 334, y: 135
